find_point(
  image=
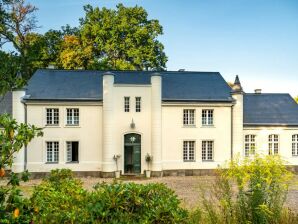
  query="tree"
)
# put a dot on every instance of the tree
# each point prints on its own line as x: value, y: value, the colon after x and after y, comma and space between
x: 296, y: 99
x: 17, y: 20
x: 13, y: 137
x: 122, y: 39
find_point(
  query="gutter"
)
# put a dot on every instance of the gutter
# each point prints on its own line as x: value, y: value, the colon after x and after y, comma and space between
x: 25, y: 149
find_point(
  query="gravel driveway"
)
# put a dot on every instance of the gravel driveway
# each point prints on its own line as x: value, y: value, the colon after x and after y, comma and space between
x: 187, y: 188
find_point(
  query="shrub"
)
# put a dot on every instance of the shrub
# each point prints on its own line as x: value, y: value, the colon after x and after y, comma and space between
x: 253, y: 190
x: 60, y: 198
x: 135, y: 203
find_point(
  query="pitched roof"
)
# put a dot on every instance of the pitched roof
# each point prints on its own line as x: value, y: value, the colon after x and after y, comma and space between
x: 6, y: 104
x: 270, y: 109
x: 50, y: 84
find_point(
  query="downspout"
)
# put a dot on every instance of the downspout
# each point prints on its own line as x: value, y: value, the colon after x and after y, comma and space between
x: 25, y: 149
x: 232, y: 131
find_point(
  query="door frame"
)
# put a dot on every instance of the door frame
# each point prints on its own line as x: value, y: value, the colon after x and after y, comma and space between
x: 123, y: 149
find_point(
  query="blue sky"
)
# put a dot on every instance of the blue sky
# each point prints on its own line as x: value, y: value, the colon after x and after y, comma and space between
x: 256, y: 39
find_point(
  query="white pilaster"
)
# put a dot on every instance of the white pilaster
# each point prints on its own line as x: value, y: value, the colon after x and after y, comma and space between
x: 238, y: 124
x: 156, y: 122
x: 18, y: 113
x: 108, y: 148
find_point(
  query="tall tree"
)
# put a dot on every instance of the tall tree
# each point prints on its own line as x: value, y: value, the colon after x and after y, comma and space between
x: 17, y: 21
x: 122, y: 38
x: 296, y: 99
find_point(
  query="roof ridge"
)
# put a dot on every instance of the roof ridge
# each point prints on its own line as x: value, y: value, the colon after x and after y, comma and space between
x: 134, y: 71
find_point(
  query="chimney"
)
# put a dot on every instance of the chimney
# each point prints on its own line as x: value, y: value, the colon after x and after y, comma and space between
x: 258, y: 91
x: 51, y: 66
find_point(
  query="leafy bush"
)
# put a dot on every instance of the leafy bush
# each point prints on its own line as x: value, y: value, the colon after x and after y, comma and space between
x: 135, y: 203
x: 60, y: 198
x: 253, y: 190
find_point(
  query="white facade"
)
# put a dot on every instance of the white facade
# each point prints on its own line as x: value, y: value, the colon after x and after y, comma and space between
x: 100, y: 132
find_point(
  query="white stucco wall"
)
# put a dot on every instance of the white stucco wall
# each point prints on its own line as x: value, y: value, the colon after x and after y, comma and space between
x: 174, y: 133
x: 88, y: 134
x: 285, y: 141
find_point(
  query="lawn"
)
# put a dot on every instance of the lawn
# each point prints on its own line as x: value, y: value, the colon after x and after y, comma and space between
x: 187, y: 188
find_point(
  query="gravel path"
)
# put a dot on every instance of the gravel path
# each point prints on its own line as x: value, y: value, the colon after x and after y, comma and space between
x: 187, y: 188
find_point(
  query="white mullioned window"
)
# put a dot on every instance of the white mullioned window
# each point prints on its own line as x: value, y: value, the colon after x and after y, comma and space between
x: 273, y: 144
x: 207, y: 117
x: 188, y: 117
x: 250, y: 145
x: 73, y: 116
x: 126, y: 104
x: 52, y: 116
x: 189, y: 151
x: 138, y: 104
x: 295, y: 145
x: 207, y: 150
x: 52, y: 152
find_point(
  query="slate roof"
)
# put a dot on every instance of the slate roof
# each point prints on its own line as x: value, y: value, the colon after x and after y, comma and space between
x: 6, y: 104
x: 50, y: 84
x: 270, y: 109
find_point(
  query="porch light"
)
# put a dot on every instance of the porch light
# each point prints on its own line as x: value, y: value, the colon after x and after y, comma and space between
x: 132, y: 124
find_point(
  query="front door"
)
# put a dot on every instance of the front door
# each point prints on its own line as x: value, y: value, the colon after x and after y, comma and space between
x: 132, y: 153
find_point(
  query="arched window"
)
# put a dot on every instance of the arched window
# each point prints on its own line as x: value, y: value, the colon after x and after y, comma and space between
x: 295, y: 145
x: 250, y: 145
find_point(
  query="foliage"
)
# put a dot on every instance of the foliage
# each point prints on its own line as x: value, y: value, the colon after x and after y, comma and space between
x: 14, y: 208
x: 253, y: 190
x: 106, y: 39
x: 60, y: 198
x: 122, y: 38
x: 296, y: 99
x: 135, y: 203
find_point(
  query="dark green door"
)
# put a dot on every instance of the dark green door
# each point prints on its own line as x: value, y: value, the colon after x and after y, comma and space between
x: 132, y: 153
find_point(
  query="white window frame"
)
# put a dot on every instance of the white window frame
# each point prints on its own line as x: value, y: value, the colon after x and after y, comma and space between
x: 72, y: 116
x: 52, y: 151
x: 126, y: 104
x: 273, y: 144
x: 69, y: 151
x: 295, y: 145
x: 189, y: 150
x: 249, y: 144
x: 207, y: 154
x: 189, y: 117
x: 207, y: 117
x: 52, y: 115
x: 138, y: 103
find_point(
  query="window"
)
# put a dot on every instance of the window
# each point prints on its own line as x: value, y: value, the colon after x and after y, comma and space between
x: 188, y: 117
x: 52, y: 152
x: 207, y: 117
x: 207, y: 150
x: 295, y: 145
x: 138, y: 104
x: 72, y: 151
x: 126, y: 104
x: 188, y: 151
x: 52, y: 116
x: 73, y: 116
x: 273, y: 144
x: 250, y: 145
